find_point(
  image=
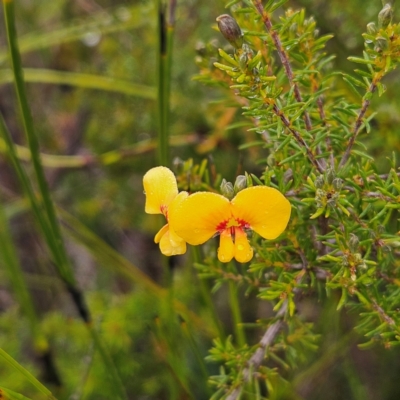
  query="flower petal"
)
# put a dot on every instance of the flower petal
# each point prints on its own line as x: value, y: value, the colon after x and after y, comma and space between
x: 160, y: 188
x: 161, y: 233
x: 265, y: 209
x: 171, y: 247
x: 196, y: 218
x: 226, y: 248
x: 243, y: 250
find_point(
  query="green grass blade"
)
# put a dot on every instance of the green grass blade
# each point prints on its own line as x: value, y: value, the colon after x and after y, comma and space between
x: 100, y: 23
x: 28, y: 376
x: 111, y: 259
x: 7, y: 394
x: 12, y: 266
x: 59, y: 251
x: 26, y: 186
x: 87, y: 81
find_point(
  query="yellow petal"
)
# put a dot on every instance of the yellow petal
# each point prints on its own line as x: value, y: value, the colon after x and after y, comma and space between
x: 243, y: 250
x: 171, y: 247
x: 175, y: 204
x: 160, y: 188
x: 197, y: 217
x: 161, y: 233
x: 226, y: 249
x: 265, y: 209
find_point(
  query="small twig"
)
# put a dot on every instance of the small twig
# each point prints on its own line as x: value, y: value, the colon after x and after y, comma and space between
x: 283, y: 57
x: 382, y: 313
x: 298, y: 138
x: 257, y: 358
x: 357, y: 126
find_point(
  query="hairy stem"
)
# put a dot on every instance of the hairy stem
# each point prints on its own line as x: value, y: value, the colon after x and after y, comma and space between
x: 283, y: 57
x: 298, y: 138
x: 357, y: 126
x: 257, y: 358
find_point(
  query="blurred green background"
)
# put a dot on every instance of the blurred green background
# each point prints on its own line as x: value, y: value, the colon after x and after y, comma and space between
x: 108, y: 130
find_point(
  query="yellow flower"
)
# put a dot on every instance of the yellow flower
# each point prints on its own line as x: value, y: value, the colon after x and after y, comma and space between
x: 202, y: 215
x: 162, y: 197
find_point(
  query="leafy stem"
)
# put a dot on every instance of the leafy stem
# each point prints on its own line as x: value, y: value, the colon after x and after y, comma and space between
x: 298, y: 138
x: 283, y: 57
x: 357, y: 124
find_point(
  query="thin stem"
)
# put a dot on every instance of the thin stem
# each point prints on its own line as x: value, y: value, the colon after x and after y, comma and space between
x: 12, y: 266
x: 298, y: 138
x: 47, y: 219
x: 115, y: 379
x: 60, y: 253
x: 236, y: 314
x: 283, y: 57
x: 27, y: 187
x: 257, y: 358
x: 165, y: 35
x: 206, y: 294
x: 357, y: 126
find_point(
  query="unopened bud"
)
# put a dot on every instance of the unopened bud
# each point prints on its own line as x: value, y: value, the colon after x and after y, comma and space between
x: 353, y: 243
x: 319, y: 182
x: 240, y: 183
x: 330, y: 176
x: 227, y: 189
x: 178, y: 164
x: 385, y: 16
x: 337, y: 184
x: 271, y: 160
x: 371, y: 28
x: 384, y: 2
x: 230, y: 30
x: 382, y: 43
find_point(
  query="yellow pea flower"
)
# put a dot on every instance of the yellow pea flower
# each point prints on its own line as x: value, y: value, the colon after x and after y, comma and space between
x: 202, y: 215
x: 162, y: 197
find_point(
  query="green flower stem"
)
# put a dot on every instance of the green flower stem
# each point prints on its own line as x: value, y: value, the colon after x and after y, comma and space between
x: 115, y: 378
x: 236, y: 314
x: 165, y: 34
x: 206, y: 293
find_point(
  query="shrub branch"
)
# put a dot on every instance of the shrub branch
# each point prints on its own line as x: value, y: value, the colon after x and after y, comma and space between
x: 283, y: 57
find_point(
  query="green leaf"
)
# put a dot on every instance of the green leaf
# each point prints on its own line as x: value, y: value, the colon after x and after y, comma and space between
x: 359, y: 60
x: 26, y: 374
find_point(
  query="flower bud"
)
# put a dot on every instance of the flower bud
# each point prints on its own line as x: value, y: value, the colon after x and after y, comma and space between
x: 371, y: 28
x: 178, y: 164
x: 353, y: 243
x: 382, y: 43
x: 385, y: 16
x: 319, y: 182
x: 337, y: 184
x: 227, y: 189
x: 230, y: 30
x: 271, y: 160
x: 384, y: 2
x: 330, y: 176
x: 240, y: 183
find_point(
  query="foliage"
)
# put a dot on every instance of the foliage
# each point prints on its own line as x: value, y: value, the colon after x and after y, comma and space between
x: 90, y: 309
